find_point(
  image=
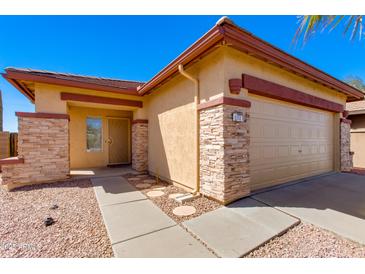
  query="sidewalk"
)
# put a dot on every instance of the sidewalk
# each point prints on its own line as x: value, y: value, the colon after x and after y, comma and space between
x: 139, y: 229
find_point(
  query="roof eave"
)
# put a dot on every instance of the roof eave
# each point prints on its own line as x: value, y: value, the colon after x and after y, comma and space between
x: 14, y: 77
x: 255, y: 46
x: 244, y: 41
x: 25, y: 91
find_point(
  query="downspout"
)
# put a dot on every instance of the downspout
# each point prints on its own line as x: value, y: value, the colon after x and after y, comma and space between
x: 197, y: 123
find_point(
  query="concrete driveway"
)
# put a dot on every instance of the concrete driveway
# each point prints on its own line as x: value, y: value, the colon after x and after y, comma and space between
x: 334, y: 202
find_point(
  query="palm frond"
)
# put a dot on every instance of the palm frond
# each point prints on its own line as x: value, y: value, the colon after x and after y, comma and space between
x: 308, y: 25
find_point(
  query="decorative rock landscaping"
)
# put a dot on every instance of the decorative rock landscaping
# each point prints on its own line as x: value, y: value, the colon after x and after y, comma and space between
x: 309, y: 241
x: 77, y: 229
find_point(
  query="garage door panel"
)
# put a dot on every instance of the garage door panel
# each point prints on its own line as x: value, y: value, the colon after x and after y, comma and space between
x: 286, y: 153
x: 288, y: 142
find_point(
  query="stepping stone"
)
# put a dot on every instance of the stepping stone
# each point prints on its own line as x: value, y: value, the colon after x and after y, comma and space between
x: 143, y: 185
x: 184, y: 211
x: 133, y: 179
x: 149, y: 181
x: 159, y: 187
x: 155, y: 193
x: 174, y: 195
x: 142, y: 176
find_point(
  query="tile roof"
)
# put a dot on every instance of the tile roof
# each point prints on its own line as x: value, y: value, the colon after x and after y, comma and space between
x: 116, y: 83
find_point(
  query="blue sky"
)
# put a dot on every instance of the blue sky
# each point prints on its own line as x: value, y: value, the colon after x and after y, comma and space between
x: 137, y: 47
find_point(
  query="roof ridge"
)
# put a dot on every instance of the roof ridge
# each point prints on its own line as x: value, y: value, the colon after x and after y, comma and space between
x: 69, y: 74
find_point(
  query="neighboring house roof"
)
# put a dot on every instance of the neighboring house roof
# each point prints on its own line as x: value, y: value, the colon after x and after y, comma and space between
x: 225, y: 32
x: 357, y: 107
x: 23, y: 80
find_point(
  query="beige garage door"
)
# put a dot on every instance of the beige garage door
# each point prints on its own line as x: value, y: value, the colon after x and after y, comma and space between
x: 288, y: 142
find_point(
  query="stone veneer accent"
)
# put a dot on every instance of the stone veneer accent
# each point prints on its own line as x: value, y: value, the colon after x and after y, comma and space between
x: 43, y: 143
x: 224, y: 158
x: 140, y: 145
x: 345, y: 137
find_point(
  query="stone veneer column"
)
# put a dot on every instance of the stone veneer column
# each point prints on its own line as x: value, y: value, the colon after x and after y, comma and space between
x: 224, y: 151
x: 140, y: 145
x: 345, y: 137
x: 43, y: 146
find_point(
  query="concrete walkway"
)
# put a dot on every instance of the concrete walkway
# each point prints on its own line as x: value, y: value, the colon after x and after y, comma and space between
x: 335, y: 202
x: 237, y: 229
x: 139, y: 229
x: 101, y: 172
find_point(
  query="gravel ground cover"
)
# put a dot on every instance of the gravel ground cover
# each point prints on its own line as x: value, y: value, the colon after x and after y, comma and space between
x: 309, y: 241
x: 202, y: 204
x: 78, y: 230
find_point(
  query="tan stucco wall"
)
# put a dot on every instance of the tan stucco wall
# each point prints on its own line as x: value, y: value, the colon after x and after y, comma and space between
x: 79, y: 157
x: 210, y: 71
x: 172, y: 120
x: 358, y: 139
x: 171, y: 111
x: 47, y: 99
x: 237, y: 63
x: 171, y: 132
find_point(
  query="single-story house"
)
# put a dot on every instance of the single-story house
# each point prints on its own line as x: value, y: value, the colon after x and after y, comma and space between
x: 356, y: 113
x: 231, y: 115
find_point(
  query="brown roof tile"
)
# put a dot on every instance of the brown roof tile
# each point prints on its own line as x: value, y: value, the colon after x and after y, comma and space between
x: 122, y: 84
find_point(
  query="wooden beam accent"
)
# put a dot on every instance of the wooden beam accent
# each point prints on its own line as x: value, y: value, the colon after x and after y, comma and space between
x: 140, y: 121
x: 235, y: 85
x: 275, y: 91
x: 65, y: 96
x: 42, y: 115
x: 225, y: 101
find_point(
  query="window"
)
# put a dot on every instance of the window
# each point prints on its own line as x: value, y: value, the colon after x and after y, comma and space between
x: 93, y: 134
